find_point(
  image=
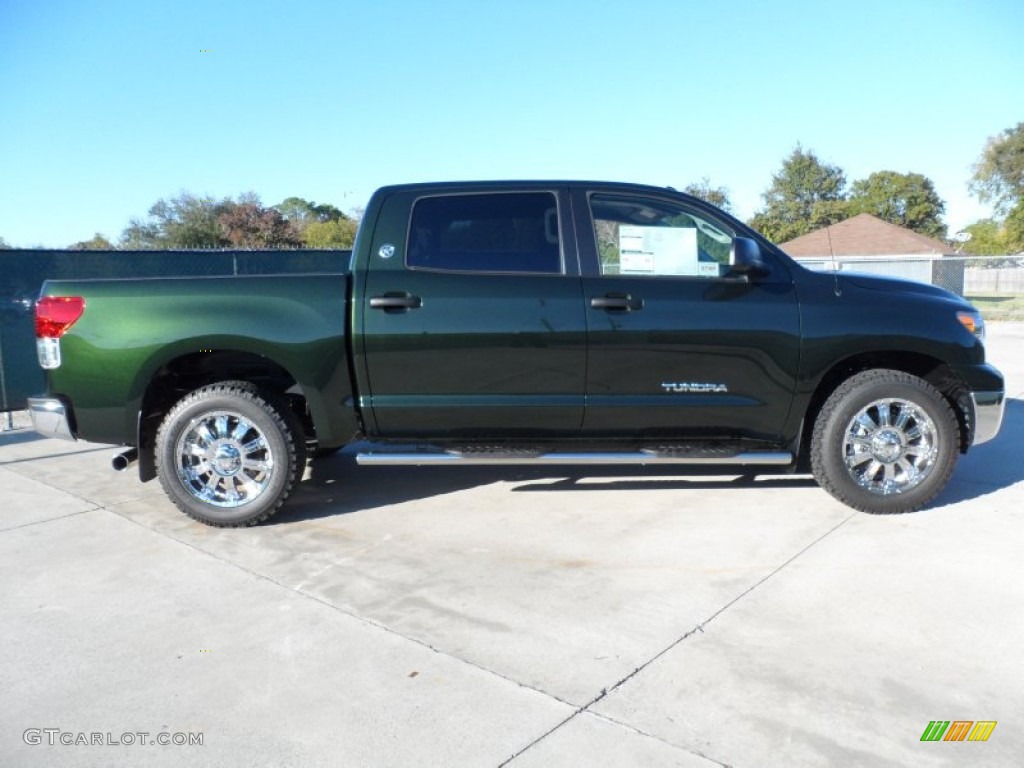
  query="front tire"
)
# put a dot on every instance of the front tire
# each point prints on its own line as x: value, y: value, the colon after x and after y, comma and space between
x: 227, y: 456
x: 885, y: 442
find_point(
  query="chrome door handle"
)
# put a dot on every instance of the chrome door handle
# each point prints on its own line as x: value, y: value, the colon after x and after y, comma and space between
x: 396, y: 301
x: 620, y: 302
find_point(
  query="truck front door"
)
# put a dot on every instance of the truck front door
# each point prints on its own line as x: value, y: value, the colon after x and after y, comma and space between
x: 472, y: 319
x: 678, y: 346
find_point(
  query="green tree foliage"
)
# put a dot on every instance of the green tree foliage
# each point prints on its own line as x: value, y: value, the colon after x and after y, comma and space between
x: 997, y: 237
x: 717, y: 196
x: 250, y: 225
x: 999, y: 173
x: 999, y: 179
x: 189, y: 221
x: 1014, y: 227
x: 905, y: 199
x: 340, y: 233
x: 302, y: 212
x: 987, y: 239
x: 806, y: 194
x: 185, y: 221
x: 319, y: 225
x: 139, y: 235
x: 97, y: 243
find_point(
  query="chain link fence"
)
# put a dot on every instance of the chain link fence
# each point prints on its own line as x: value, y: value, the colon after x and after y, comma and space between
x: 22, y: 274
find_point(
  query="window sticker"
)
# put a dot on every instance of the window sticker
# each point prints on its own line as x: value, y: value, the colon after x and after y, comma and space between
x: 658, y: 251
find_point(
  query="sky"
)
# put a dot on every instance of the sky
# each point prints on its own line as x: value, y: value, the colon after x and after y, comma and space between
x: 108, y: 106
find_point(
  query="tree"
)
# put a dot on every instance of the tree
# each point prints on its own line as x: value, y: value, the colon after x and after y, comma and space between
x: 319, y: 225
x: 999, y: 173
x: 191, y: 222
x: 185, y: 221
x: 1014, y: 225
x: 717, y: 196
x: 294, y: 209
x: 904, y: 199
x: 987, y: 239
x: 97, y: 243
x: 188, y: 221
x: 340, y: 233
x: 139, y: 235
x: 3, y: 245
x: 804, y: 195
x: 250, y: 225
x: 302, y: 212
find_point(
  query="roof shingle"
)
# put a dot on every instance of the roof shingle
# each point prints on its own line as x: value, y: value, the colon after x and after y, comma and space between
x: 864, y: 235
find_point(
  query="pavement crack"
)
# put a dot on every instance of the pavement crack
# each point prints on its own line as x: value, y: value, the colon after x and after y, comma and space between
x: 28, y: 459
x: 662, y: 740
x: 50, y: 519
x: 626, y: 726
x: 344, y: 612
x: 605, y: 692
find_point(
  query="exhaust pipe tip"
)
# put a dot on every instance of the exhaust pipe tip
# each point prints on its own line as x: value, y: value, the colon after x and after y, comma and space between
x: 122, y: 461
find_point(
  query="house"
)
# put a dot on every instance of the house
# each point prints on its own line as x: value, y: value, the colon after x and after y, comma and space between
x: 865, y: 243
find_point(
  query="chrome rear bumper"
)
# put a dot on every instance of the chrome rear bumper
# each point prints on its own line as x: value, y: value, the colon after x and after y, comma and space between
x: 988, y: 415
x: 50, y: 417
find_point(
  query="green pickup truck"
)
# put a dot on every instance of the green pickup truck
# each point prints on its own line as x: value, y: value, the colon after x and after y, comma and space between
x: 523, y: 323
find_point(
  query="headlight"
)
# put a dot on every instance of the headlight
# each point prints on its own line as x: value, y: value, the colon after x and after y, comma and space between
x: 973, y: 322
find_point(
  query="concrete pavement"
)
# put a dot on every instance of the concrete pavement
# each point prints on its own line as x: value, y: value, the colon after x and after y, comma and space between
x: 477, y: 617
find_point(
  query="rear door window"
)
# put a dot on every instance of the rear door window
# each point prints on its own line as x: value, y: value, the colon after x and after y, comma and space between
x: 503, y: 232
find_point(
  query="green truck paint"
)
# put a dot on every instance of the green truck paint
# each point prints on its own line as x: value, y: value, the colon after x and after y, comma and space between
x: 515, y: 322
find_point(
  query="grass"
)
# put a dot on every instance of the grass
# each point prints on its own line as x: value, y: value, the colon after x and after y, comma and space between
x: 999, y: 306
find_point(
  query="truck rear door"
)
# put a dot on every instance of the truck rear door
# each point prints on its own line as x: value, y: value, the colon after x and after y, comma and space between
x: 679, y: 348
x: 472, y: 318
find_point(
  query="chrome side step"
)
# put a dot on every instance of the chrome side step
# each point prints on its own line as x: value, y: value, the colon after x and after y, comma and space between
x: 471, y: 458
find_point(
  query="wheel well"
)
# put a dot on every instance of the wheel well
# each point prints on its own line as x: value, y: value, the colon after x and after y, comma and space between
x: 932, y: 370
x: 178, y: 377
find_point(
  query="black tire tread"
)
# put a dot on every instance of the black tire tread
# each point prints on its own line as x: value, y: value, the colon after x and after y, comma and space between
x: 283, y: 419
x: 881, y: 505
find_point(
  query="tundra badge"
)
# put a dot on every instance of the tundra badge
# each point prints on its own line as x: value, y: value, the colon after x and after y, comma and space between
x: 693, y: 386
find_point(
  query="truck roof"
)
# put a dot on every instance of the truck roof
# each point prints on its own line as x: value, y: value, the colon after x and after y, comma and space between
x: 512, y: 184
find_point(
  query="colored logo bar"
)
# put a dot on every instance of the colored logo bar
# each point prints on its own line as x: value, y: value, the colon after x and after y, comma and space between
x: 958, y: 730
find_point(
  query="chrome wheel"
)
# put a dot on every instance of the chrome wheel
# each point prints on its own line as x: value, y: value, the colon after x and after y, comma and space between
x: 224, y: 460
x: 890, y: 446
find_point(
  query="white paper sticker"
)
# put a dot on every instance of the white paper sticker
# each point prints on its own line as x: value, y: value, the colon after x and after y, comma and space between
x: 658, y: 251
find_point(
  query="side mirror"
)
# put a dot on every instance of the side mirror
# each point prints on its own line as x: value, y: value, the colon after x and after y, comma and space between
x: 745, y: 258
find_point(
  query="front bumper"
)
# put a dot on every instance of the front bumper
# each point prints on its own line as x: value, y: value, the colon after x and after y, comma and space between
x: 51, y: 417
x: 988, y: 414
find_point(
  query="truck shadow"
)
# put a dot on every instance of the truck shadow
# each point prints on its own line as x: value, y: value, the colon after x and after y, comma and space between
x: 990, y: 466
x: 657, y: 479
x: 337, y: 486
x: 18, y: 436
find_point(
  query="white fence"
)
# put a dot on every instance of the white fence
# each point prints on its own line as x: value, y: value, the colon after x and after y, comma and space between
x: 995, y: 281
x: 966, y: 275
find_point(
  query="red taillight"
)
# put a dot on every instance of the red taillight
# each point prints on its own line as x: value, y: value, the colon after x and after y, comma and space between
x: 55, y: 314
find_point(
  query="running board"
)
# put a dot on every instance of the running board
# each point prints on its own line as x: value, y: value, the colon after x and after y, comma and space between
x: 421, y: 458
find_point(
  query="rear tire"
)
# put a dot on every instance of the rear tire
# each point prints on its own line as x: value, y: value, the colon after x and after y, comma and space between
x: 228, y: 456
x: 885, y: 442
